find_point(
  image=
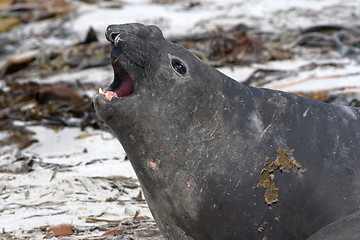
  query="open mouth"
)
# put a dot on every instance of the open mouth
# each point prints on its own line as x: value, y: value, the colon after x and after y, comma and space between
x: 123, y: 84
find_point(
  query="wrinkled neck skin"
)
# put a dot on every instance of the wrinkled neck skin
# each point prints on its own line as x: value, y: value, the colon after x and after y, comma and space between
x: 169, y: 121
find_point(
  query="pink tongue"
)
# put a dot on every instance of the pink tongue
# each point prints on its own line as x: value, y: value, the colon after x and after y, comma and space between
x: 127, y: 87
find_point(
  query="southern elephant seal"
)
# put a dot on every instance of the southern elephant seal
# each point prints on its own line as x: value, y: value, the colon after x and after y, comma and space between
x: 220, y: 160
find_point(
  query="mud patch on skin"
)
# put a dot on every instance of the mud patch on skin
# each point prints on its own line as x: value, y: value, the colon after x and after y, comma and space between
x: 284, y: 162
x: 261, y: 229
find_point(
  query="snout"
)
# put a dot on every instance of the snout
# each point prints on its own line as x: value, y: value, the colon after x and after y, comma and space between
x: 117, y: 33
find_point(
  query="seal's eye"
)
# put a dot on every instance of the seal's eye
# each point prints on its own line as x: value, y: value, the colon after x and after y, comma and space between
x: 178, y: 66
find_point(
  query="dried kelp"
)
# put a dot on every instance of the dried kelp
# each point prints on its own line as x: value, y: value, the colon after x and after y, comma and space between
x: 237, y: 46
x: 56, y: 105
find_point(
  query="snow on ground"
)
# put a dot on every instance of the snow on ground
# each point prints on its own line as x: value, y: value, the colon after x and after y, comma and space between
x: 325, y: 78
x: 180, y: 19
x: 67, y: 184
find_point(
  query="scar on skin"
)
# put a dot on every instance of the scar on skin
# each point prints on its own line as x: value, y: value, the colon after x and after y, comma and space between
x: 284, y: 162
x: 188, y: 182
x: 153, y: 164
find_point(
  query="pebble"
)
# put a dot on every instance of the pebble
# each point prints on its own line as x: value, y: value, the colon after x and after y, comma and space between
x: 61, y: 230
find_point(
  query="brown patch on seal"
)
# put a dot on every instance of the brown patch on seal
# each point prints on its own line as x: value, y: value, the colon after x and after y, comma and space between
x: 284, y: 162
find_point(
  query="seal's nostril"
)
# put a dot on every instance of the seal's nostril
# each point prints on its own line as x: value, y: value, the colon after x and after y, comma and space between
x: 111, y: 32
x: 113, y: 36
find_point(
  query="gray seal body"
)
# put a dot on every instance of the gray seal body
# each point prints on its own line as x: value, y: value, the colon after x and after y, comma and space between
x: 220, y: 160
